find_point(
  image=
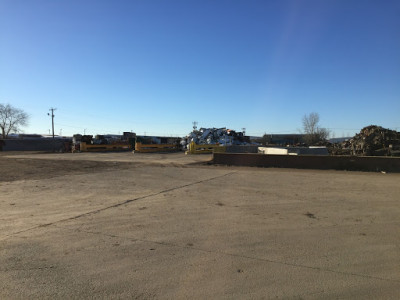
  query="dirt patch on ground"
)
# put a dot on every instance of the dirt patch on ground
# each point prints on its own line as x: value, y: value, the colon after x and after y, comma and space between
x: 13, y: 169
x: 25, y: 165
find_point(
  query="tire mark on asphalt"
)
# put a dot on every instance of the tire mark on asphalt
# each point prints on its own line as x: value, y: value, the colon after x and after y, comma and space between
x: 96, y: 211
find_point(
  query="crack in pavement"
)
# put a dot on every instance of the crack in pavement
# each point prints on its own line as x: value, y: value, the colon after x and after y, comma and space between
x: 28, y: 269
x: 115, y: 205
x: 237, y: 255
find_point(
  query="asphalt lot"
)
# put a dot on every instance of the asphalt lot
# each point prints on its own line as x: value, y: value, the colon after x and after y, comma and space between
x: 168, y: 226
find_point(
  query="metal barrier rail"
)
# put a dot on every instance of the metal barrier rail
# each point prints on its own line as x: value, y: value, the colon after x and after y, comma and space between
x: 147, y: 148
x: 108, y: 147
x: 199, y: 149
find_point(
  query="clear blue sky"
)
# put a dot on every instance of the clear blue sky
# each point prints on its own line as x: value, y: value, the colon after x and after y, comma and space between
x: 156, y: 66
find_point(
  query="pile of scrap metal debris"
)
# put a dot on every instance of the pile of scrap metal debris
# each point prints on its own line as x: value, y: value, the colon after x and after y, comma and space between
x: 87, y: 141
x: 221, y: 136
x: 107, y: 139
x: 373, y: 141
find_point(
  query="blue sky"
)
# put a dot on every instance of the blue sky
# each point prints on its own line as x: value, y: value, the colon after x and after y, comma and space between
x: 155, y: 66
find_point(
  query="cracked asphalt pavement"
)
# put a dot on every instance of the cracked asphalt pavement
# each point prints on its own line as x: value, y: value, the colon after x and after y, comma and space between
x: 168, y: 226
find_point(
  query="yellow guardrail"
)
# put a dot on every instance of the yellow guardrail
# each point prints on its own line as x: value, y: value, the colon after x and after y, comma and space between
x: 199, y: 149
x: 109, y: 147
x: 146, y: 148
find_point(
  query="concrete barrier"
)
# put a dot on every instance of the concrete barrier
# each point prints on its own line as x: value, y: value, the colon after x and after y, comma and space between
x: 350, y: 163
x: 202, y: 149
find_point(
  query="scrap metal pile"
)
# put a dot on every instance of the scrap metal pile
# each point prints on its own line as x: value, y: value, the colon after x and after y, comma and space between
x: 222, y: 136
x: 107, y: 139
x: 374, y: 141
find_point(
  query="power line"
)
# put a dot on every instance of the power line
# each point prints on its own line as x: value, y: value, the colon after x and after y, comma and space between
x: 69, y: 126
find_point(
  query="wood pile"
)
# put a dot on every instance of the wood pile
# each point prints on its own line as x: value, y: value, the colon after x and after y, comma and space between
x: 374, y: 141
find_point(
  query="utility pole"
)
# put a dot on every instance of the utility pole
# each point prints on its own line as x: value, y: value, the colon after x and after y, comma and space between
x: 52, y: 126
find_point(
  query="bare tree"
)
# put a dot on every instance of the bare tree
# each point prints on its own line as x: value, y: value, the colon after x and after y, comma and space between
x: 11, y: 119
x: 312, y: 132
